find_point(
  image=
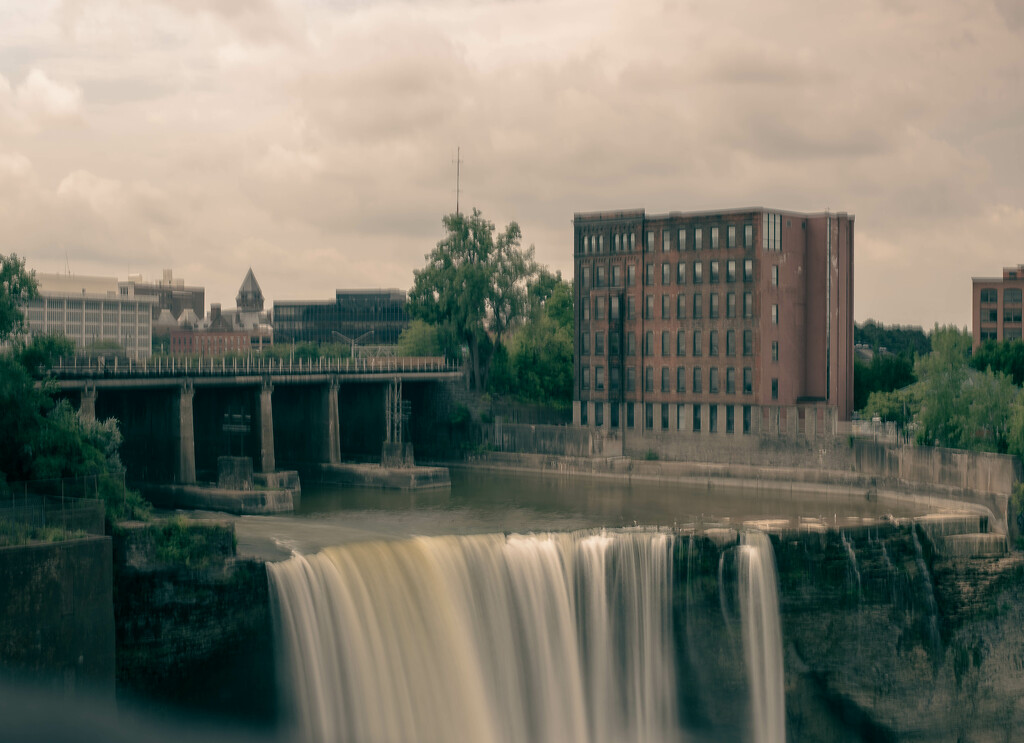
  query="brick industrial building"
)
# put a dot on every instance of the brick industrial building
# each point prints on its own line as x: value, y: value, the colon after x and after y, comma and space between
x: 996, y: 306
x: 730, y: 322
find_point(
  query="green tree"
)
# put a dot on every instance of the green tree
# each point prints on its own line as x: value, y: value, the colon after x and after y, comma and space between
x: 42, y: 352
x: 942, y: 373
x: 1001, y: 356
x: 894, y: 406
x: 473, y: 281
x: 419, y: 339
x: 990, y: 399
x: 17, y: 286
x: 885, y: 373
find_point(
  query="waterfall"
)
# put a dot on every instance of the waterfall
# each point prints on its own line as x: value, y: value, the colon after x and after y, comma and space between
x: 762, y: 638
x: 854, y: 570
x: 546, y: 638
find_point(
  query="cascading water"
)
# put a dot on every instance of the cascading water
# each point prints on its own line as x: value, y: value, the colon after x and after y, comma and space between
x: 548, y: 637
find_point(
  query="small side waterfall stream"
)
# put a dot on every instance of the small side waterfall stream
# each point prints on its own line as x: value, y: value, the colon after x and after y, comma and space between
x: 537, y: 638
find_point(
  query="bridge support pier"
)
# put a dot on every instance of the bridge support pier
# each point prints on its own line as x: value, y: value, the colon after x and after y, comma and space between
x: 331, y: 446
x: 87, y: 408
x: 186, y: 436
x: 268, y: 463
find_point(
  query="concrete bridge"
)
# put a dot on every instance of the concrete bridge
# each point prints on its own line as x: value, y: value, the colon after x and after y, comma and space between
x: 178, y: 416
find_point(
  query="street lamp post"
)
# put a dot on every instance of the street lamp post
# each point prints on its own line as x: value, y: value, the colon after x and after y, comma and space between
x: 353, y: 341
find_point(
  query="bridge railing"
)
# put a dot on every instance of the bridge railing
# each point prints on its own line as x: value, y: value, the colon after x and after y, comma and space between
x: 77, y: 368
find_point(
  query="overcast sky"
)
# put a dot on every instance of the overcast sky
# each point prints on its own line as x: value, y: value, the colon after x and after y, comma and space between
x: 315, y: 140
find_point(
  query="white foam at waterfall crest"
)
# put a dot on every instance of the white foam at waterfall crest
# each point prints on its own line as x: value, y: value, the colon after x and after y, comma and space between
x: 557, y: 638
x: 762, y: 637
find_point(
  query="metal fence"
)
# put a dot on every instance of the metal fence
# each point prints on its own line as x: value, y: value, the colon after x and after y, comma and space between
x: 52, y: 509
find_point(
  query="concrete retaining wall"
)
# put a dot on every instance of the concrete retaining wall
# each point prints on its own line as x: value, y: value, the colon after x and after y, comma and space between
x: 570, y: 441
x: 57, y: 615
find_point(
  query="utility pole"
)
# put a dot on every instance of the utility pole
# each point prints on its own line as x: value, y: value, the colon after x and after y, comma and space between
x: 458, y: 177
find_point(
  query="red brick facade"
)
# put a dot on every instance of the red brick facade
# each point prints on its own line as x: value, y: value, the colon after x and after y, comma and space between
x: 996, y: 306
x: 710, y: 321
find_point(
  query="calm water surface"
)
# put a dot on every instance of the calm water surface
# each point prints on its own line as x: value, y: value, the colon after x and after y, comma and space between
x: 488, y: 502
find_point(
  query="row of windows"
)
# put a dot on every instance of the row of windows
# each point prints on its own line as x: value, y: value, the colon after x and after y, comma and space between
x: 683, y: 339
x: 670, y: 273
x: 694, y: 421
x: 671, y: 239
x: 697, y: 307
x: 1009, y: 334
x: 1010, y: 296
x: 695, y: 377
x: 1010, y: 314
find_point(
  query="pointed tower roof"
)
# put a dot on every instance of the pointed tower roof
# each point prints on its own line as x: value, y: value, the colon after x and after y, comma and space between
x: 250, y: 296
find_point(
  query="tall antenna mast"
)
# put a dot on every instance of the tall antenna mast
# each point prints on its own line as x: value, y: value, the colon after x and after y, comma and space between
x: 458, y: 177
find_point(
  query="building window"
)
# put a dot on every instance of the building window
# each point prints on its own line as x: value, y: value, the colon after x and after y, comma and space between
x: 1011, y: 334
x: 748, y: 304
x: 730, y: 304
x: 631, y: 274
x: 989, y: 295
x: 1011, y: 314
x: 697, y: 387
x: 680, y: 379
x: 775, y: 389
x: 990, y: 315
x: 630, y: 379
x: 775, y: 314
x: 713, y: 343
x: 680, y: 306
x: 664, y: 417
x: 775, y: 351
x: 585, y: 277
x: 680, y: 417
x: 698, y: 272
x: 585, y: 344
x: 649, y: 379
x: 630, y: 307
x: 680, y: 342
x: 730, y: 381
x: 775, y: 275
x: 613, y: 378
x: 632, y: 241
x: 630, y: 343
x: 748, y: 269
x: 681, y: 272
x: 730, y: 271
x: 681, y: 237
x: 731, y: 236
x: 666, y: 344
x: 989, y: 335
x: 730, y: 342
x: 629, y: 415
x: 649, y: 308
x: 713, y: 380
x: 600, y: 243
x: 599, y: 308
x: 613, y: 343
x: 599, y: 343
x: 583, y: 412
x: 616, y: 276
x: 649, y: 343
x: 598, y: 414
x: 714, y: 272
x: 665, y: 380
x: 748, y: 380
x: 714, y: 238
x: 649, y: 275
x: 649, y: 416
x: 697, y: 308
x: 613, y: 414
x: 746, y: 419
x: 730, y: 419
x: 613, y: 308
x: 748, y: 236
x: 618, y: 240
x: 666, y: 241
x: 666, y: 274
x: 713, y: 307
x: 697, y: 343
x: 650, y: 242
x: 599, y: 378
x: 585, y: 378
x: 1010, y: 296
x: 713, y: 419
x: 696, y: 419
x: 601, y: 276
x: 698, y: 238
x: 666, y: 306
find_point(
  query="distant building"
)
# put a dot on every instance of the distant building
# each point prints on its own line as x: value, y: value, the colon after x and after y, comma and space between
x: 723, y: 322
x: 236, y: 330
x: 996, y: 306
x: 378, y: 314
x: 91, y: 310
x: 171, y: 294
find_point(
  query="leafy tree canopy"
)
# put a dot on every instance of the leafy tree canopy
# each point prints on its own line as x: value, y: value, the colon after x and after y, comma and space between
x: 897, y: 339
x: 17, y: 286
